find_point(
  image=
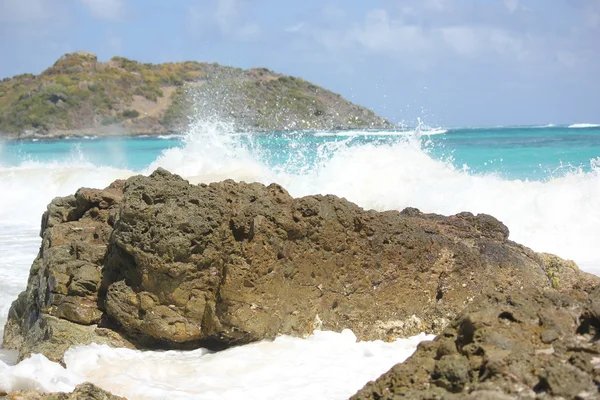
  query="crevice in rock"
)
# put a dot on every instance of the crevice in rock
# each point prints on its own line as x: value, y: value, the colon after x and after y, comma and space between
x: 466, y: 332
x: 589, y: 325
x: 508, y: 316
x: 542, y: 386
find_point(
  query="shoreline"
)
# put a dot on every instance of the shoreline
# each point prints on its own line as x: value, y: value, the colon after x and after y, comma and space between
x: 103, y: 134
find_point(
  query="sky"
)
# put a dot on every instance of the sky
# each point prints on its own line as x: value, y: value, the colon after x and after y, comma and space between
x: 447, y: 62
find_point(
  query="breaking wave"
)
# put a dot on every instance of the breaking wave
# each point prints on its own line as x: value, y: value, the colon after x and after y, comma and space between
x: 584, y: 126
x: 558, y: 215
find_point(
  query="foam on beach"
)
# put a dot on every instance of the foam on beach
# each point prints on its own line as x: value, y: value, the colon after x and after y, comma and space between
x: 326, y: 365
x: 558, y: 215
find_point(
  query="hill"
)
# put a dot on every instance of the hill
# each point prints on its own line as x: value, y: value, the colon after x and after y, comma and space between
x: 80, y: 95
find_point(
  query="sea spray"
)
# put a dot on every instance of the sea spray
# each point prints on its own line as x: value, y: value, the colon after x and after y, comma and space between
x: 559, y: 214
x: 26, y: 190
x: 211, y: 152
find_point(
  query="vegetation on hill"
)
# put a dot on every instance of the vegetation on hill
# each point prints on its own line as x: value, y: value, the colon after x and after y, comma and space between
x: 78, y: 93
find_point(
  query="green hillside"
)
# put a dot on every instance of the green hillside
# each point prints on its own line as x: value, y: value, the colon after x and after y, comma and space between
x: 80, y: 95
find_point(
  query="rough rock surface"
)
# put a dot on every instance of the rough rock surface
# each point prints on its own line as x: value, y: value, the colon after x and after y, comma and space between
x: 166, y: 264
x: 85, y: 391
x: 60, y: 307
x: 530, y: 344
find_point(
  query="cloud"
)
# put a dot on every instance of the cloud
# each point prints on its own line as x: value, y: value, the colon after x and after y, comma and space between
x: 227, y: 18
x: 567, y: 58
x: 592, y: 20
x: 380, y: 33
x: 295, y: 28
x: 110, y: 10
x: 24, y: 10
x: 512, y: 5
x: 462, y: 39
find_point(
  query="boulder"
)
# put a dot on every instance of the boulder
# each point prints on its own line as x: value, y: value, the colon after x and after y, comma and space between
x: 60, y: 307
x: 525, y: 344
x: 155, y: 262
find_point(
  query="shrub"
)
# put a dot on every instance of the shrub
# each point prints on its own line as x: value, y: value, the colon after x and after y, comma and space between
x: 131, y: 114
x: 149, y: 92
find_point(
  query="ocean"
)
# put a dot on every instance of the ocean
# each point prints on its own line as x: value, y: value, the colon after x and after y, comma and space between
x: 543, y: 182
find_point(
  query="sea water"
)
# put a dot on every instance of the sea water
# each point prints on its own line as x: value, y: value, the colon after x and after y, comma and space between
x: 542, y: 182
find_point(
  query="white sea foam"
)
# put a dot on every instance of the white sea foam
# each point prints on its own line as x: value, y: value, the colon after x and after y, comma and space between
x: 559, y: 216
x: 18, y: 244
x: 212, y: 153
x: 354, y: 133
x: 26, y: 190
x: 326, y: 365
x: 584, y: 126
x: 170, y: 137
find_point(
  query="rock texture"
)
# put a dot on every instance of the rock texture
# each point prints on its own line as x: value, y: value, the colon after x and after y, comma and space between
x: 60, y: 307
x: 85, y: 391
x: 529, y: 344
x: 160, y: 263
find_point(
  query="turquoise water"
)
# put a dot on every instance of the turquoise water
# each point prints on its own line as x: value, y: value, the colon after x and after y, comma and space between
x: 542, y: 183
x: 510, y: 152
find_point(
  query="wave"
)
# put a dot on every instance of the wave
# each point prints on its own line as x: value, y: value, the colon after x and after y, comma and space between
x: 170, y: 137
x: 354, y: 133
x: 326, y: 362
x: 558, y: 215
x: 584, y: 126
x: 29, y: 187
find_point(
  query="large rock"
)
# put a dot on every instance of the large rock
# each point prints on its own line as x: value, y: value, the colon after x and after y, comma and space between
x: 161, y: 263
x: 529, y: 344
x: 60, y: 307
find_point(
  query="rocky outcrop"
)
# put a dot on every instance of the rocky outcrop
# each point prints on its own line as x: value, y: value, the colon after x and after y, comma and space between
x: 528, y: 344
x: 60, y: 307
x: 160, y: 263
x: 85, y: 391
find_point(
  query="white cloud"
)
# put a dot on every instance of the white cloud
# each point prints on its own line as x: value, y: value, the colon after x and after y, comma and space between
x: 24, y: 10
x: 592, y: 19
x: 416, y: 44
x: 380, y: 33
x: 512, y: 5
x: 567, y: 59
x: 295, y: 28
x: 509, y: 44
x: 227, y: 18
x: 105, y: 9
x: 463, y: 40
x: 333, y: 13
x: 437, y: 5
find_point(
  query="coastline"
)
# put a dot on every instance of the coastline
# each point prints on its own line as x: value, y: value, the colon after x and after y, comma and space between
x: 119, y: 132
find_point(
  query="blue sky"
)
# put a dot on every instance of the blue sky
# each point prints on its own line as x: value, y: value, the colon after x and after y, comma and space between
x: 449, y: 62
